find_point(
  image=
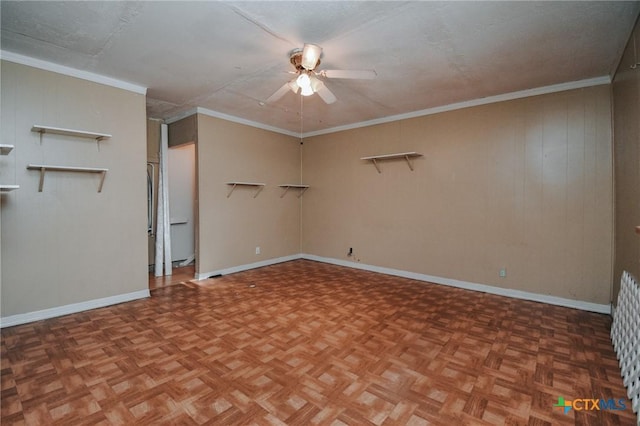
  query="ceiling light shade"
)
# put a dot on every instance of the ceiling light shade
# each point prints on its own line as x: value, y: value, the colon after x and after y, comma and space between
x: 307, y: 91
x: 303, y: 81
x: 310, y: 56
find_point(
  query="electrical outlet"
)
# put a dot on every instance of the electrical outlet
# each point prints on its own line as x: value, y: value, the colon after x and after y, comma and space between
x: 258, y: 250
x: 503, y: 272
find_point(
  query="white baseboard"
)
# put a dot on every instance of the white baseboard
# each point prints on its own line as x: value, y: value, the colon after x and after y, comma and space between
x: 516, y: 294
x: 73, y: 308
x: 613, y: 310
x: 240, y: 268
x: 112, y: 300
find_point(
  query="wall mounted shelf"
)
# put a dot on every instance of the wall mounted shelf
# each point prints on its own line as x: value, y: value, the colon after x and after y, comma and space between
x: 9, y: 188
x: 406, y: 155
x: 5, y: 149
x: 44, y: 168
x: 69, y: 132
x: 288, y: 186
x: 258, y: 186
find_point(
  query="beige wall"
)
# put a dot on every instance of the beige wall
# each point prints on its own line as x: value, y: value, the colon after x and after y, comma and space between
x: 524, y: 185
x: 183, y: 131
x: 69, y: 243
x: 626, y: 114
x: 231, y: 228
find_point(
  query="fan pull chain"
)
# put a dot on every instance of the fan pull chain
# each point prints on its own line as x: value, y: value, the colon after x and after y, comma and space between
x: 635, y: 55
x: 301, y: 116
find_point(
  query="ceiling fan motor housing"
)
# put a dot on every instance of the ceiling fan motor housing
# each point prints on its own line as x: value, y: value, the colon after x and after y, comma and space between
x: 296, y: 60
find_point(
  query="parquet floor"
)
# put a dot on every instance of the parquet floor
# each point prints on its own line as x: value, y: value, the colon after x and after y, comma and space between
x: 305, y: 343
x: 179, y: 275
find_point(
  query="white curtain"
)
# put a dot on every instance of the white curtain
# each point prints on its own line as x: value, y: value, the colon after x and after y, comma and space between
x: 163, y: 227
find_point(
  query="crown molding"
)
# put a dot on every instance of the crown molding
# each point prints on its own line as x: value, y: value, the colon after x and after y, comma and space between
x: 233, y: 118
x: 228, y: 117
x: 179, y: 116
x: 597, y: 81
x: 555, y: 88
x: 6, y: 55
x: 97, y: 78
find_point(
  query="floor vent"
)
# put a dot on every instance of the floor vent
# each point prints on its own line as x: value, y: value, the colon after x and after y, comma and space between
x: 625, y: 335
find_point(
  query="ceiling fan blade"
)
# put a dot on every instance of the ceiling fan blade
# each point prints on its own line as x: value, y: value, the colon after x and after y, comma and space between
x: 293, y: 85
x: 356, y: 74
x: 325, y: 94
x: 310, y: 56
x: 279, y: 93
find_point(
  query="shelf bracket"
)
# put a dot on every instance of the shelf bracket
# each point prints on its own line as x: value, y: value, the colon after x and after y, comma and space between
x: 287, y: 187
x: 258, y: 186
x: 231, y: 191
x: 42, y: 172
x: 104, y: 174
x: 258, y: 189
x: 302, y: 191
x: 409, y: 162
x: 375, y: 163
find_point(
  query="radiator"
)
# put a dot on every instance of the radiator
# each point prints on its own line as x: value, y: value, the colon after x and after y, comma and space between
x: 625, y: 336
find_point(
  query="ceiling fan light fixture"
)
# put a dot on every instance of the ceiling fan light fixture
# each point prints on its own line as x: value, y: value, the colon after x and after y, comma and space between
x: 310, y: 56
x: 304, y: 82
x: 308, y: 81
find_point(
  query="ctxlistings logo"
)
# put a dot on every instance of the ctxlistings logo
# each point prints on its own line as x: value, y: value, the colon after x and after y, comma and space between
x: 590, y: 404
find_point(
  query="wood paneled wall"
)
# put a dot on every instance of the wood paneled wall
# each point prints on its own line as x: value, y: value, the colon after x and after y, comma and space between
x: 626, y: 119
x: 524, y: 185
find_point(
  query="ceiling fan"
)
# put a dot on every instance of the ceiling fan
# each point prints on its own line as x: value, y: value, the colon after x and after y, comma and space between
x: 308, y: 80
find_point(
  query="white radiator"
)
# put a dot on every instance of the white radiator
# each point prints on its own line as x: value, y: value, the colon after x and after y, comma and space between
x: 625, y: 335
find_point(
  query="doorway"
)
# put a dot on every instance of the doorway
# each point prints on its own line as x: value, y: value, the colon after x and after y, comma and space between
x: 182, y: 194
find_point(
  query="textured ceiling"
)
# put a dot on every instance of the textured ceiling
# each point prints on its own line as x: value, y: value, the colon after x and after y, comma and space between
x: 230, y: 56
